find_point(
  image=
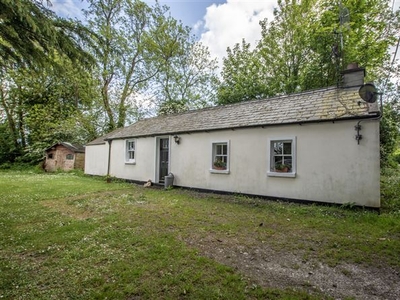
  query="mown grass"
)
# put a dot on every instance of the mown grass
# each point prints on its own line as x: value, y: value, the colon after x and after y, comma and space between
x: 66, y: 236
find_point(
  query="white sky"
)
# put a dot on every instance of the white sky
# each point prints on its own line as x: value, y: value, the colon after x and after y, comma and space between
x: 226, y: 24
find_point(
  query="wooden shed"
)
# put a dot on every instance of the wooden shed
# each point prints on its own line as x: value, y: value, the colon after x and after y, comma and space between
x: 64, y: 156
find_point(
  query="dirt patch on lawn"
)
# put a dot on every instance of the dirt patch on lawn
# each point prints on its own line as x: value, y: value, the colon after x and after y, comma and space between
x: 270, y: 268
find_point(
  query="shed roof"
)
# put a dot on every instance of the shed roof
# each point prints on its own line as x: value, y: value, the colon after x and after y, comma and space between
x: 72, y: 147
x: 327, y: 104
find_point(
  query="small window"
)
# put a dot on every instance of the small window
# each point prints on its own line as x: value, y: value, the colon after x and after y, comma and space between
x: 50, y: 156
x: 220, y: 157
x: 130, y: 148
x: 282, y: 158
x: 70, y: 156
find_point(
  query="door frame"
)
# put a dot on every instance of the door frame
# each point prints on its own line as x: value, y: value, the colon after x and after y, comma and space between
x: 157, y: 158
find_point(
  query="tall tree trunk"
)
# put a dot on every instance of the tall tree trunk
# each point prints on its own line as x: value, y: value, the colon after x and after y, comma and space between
x: 21, y: 124
x: 10, y: 120
x: 106, y: 103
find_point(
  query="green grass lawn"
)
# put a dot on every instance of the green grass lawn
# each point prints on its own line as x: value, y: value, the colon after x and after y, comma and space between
x: 68, y: 236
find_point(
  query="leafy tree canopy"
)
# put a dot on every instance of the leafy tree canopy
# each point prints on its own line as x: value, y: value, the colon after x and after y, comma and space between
x: 39, y: 109
x: 306, y: 46
x: 31, y: 33
x: 242, y: 77
x: 141, y: 60
x: 146, y: 56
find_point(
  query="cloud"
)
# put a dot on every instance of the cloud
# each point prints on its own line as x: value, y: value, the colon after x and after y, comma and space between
x: 198, y: 26
x: 227, y: 24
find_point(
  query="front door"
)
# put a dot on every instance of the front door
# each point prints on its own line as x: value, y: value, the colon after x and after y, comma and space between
x: 164, y: 158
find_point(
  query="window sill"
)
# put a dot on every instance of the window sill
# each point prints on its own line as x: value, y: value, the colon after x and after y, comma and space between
x: 281, y: 174
x: 214, y: 171
x: 130, y: 162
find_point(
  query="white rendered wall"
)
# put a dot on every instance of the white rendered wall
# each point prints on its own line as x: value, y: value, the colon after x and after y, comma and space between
x: 96, y: 159
x: 331, y: 166
x: 144, y: 167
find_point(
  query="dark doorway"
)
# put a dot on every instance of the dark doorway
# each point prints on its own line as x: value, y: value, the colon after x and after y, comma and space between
x: 164, y: 158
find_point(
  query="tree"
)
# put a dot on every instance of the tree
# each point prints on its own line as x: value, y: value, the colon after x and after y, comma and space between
x: 33, y: 34
x: 353, y: 31
x: 277, y: 64
x: 12, y: 109
x: 8, y: 151
x: 143, y: 49
x: 187, y: 80
x: 309, y: 42
x: 389, y: 133
x: 43, y: 108
x: 36, y: 75
x: 129, y: 53
x: 390, y: 123
x: 242, y: 77
x: 284, y: 48
x: 141, y: 53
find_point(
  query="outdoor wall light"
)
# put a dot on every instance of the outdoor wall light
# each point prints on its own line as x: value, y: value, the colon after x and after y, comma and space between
x: 177, y: 139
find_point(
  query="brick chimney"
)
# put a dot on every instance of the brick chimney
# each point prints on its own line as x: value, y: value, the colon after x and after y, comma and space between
x: 353, y: 76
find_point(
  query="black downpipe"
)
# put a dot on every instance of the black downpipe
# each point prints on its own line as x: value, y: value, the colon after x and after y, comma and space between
x: 109, y: 159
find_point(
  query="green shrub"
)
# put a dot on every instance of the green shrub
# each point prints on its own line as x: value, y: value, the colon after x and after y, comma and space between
x: 22, y: 167
x: 5, y: 166
x: 390, y: 190
x: 389, y: 135
x: 396, y: 156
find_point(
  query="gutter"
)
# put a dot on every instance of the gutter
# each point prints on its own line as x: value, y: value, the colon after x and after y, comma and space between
x: 95, y: 144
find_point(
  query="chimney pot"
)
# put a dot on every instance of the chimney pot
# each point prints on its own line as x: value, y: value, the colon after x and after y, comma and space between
x: 353, y: 76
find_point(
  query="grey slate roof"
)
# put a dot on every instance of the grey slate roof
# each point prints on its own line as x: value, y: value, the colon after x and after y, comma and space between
x: 72, y: 147
x: 102, y: 139
x: 313, y: 106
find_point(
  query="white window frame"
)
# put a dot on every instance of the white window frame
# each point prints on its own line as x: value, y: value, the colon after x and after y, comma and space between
x: 69, y: 155
x: 214, y: 154
x: 127, y: 151
x: 271, y: 172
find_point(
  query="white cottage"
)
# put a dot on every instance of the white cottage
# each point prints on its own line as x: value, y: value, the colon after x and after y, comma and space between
x: 320, y: 145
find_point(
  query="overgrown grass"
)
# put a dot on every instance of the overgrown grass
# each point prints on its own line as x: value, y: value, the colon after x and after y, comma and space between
x: 390, y: 190
x: 67, y: 236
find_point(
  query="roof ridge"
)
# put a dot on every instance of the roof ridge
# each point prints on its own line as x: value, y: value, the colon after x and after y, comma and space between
x: 277, y: 97
x: 318, y: 105
x: 223, y: 106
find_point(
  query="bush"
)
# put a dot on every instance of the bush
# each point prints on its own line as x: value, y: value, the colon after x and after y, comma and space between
x: 390, y: 190
x: 389, y: 135
x: 21, y: 167
x: 396, y: 156
x: 5, y: 166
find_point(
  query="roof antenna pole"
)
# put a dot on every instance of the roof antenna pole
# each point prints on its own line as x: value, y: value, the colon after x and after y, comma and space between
x: 344, y: 19
x: 338, y: 48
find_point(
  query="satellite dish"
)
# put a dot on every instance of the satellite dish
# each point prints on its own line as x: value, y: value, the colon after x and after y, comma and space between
x: 368, y: 93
